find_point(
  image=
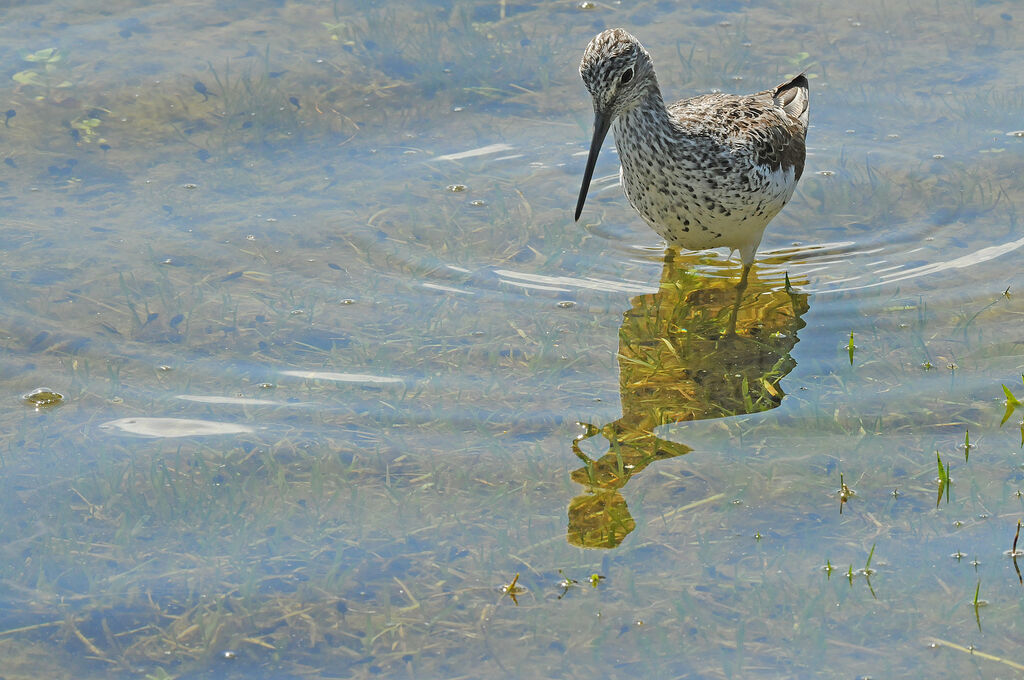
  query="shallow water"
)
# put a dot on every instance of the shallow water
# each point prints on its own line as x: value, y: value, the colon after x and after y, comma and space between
x: 337, y: 365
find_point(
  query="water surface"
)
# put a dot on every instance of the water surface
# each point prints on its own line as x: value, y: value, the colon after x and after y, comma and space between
x: 337, y: 368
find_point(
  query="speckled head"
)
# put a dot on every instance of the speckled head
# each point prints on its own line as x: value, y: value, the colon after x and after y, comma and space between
x: 618, y: 73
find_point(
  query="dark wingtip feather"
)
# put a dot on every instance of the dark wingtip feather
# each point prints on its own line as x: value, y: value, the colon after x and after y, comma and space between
x: 793, y: 96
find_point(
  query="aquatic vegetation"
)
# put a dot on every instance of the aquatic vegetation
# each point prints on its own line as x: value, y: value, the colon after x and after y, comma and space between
x: 1014, y: 554
x: 46, y: 72
x: 845, y: 493
x: 513, y: 590
x: 978, y: 604
x: 43, y: 397
x: 866, y: 571
x: 267, y: 242
x: 1012, y: 404
x: 945, y: 482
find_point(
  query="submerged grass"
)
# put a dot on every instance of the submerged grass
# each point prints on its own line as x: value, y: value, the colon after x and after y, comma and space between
x: 372, y: 529
x: 278, y: 566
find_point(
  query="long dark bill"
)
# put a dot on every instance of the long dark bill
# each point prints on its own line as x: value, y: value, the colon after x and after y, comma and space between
x: 601, y: 125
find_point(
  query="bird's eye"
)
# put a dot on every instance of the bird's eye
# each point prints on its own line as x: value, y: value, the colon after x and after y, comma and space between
x: 627, y: 76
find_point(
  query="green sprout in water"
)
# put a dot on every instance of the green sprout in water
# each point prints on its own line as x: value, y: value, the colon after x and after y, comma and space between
x: 867, y: 565
x: 1012, y: 403
x: 1014, y: 554
x: 978, y: 603
x: 845, y: 493
x: 868, y: 571
x: 944, y: 479
x: 566, y: 583
x: 513, y: 589
x: 851, y: 348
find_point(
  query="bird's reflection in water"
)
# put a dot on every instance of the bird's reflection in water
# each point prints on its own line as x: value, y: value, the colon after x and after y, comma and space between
x: 679, y: 362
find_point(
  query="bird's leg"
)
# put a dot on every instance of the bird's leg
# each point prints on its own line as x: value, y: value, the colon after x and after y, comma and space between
x: 740, y: 289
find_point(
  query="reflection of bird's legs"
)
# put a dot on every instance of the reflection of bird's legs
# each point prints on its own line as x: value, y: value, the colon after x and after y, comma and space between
x: 588, y: 462
x: 740, y: 289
